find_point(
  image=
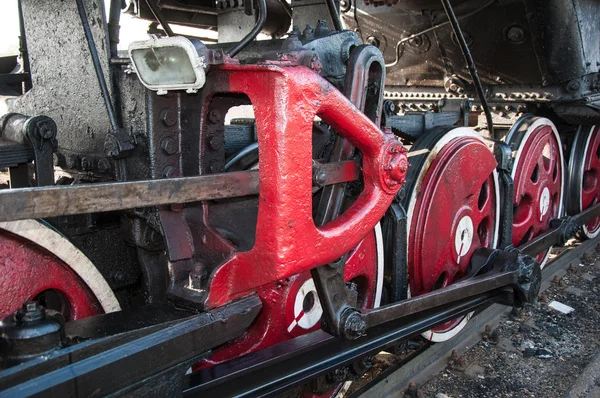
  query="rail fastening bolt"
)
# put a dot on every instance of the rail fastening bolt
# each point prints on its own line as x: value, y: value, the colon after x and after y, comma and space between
x: 412, y: 391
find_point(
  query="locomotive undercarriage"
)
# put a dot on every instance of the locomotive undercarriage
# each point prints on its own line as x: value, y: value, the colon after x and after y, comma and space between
x: 367, y: 194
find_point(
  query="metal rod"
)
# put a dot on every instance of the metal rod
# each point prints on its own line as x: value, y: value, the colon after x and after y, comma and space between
x: 274, y: 370
x: 188, y: 8
x: 286, y: 6
x: 97, y: 67
x: 470, y: 63
x: 469, y: 288
x: 159, y: 18
x: 260, y: 23
x: 552, y: 237
x: 335, y: 15
x: 114, y: 18
x: 26, y: 85
x: 27, y: 203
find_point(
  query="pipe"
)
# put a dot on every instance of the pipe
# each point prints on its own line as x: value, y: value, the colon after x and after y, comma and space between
x: 470, y: 63
x: 26, y: 85
x: 335, y: 15
x: 260, y: 23
x: 159, y: 18
x: 97, y: 67
x: 114, y: 17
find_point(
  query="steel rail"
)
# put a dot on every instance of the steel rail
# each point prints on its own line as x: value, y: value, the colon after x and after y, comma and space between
x: 279, y: 368
x: 262, y: 373
x: 28, y: 203
x: 426, y: 364
x: 119, y: 365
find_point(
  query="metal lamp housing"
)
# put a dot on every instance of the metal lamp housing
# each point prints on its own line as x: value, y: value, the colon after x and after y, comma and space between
x: 168, y: 63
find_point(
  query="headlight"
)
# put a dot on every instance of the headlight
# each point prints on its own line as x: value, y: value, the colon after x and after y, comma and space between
x: 169, y: 63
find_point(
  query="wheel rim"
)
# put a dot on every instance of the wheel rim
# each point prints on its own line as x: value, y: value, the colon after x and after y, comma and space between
x: 452, y: 211
x: 301, y: 311
x: 538, y: 175
x: 31, y: 272
x: 584, y: 172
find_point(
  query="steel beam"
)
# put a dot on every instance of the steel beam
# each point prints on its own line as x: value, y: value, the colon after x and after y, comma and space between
x: 27, y: 203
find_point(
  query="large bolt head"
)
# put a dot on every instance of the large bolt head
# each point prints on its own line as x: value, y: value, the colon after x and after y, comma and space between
x: 354, y: 326
x: 214, y: 116
x: 215, y: 142
x: 516, y: 34
x: 167, y: 118
x: 168, y: 146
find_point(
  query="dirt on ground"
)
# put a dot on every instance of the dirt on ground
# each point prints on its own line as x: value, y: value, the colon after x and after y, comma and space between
x: 537, y: 351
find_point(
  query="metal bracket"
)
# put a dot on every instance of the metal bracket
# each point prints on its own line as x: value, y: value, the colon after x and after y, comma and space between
x: 567, y: 228
x: 38, y: 132
x: 365, y: 78
x: 503, y: 155
x: 395, y: 230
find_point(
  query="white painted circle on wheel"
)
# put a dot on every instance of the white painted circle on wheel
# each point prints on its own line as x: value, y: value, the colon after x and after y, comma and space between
x: 544, y: 202
x: 463, y: 236
x: 306, y: 320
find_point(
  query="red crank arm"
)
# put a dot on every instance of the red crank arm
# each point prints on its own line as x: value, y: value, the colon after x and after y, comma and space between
x: 286, y: 102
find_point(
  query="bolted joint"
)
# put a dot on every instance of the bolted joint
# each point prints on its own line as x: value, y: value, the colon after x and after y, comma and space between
x: 41, y: 129
x: 394, y: 166
x: 214, y: 116
x: 353, y: 325
x: 168, y: 146
x: 29, y: 333
x: 118, y: 145
x: 30, y: 312
x: 45, y: 128
x: 319, y: 177
x: 567, y: 228
x: 339, y: 375
x: 214, y: 142
x: 389, y: 107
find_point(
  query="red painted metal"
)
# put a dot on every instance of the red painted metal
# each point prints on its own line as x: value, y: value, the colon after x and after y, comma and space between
x: 28, y: 271
x: 538, y: 176
x: 281, y: 320
x: 590, y: 190
x: 286, y: 102
x: 457, y: 189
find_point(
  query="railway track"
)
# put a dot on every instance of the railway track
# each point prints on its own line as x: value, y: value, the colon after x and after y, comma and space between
x: 427, y: 361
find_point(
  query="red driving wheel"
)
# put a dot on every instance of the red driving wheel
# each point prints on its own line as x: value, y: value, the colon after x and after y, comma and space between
x: 291, y: 307
x: 584, y: 176
x: 31, y: 272
x: 452, y: 207
x: 538, y: 175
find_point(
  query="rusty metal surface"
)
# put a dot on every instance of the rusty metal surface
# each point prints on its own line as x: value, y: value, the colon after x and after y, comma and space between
x: 19, y: 204
x: 458, y: 291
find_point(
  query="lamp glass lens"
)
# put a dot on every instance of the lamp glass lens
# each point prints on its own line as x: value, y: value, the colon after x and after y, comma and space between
x: 158, y: 66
